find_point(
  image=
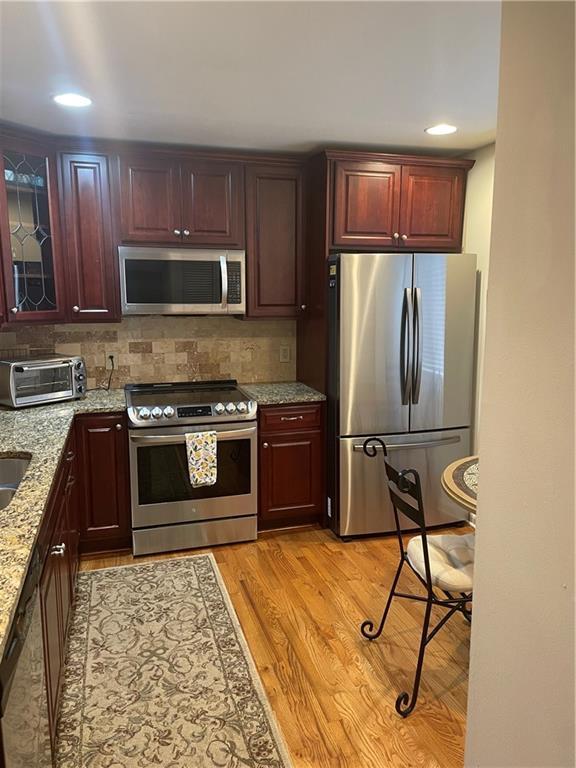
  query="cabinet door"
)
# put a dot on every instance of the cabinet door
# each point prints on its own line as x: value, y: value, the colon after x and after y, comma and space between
x: 213, y: 204
x: 432, y: 207
x: 290, y: 477
x: 72, y: 512
x: 29, y: 234
x: 150, y: 200
x: 105, y: 522
x: 366, y: 204
x: 52, y: 630
x: 91, y: 264
x: 274, y: 240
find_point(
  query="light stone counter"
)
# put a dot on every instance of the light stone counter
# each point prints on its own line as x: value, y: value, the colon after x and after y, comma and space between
x: 283, y: 393
x: 40, y: 432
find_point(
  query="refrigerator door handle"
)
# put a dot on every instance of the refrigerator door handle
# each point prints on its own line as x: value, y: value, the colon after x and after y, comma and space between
x: 403, y: 446
x: 406, y: 324
x: 417, y: 364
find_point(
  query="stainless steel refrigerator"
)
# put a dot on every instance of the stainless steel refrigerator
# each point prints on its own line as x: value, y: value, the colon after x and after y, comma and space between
x: 401, y: 367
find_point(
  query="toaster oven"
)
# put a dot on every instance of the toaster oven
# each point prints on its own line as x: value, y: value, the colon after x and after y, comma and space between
x: 33, y: 381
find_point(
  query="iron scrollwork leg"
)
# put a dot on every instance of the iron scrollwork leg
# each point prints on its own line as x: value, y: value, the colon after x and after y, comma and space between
x: 404, y: 703
x: 367, y: 628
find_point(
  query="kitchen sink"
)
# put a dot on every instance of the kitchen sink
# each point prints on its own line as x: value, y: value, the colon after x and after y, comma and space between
x: 12, y: 470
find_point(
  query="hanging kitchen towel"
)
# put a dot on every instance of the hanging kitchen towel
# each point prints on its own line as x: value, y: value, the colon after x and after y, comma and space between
x: 202, y: 458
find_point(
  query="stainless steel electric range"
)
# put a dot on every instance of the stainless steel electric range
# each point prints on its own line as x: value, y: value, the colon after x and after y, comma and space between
x: 167, y: 512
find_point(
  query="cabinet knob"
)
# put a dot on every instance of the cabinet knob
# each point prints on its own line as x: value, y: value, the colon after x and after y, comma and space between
x: 186, y: 232
x: 177, y: 232
x: 14, y: 310
x: 265, y: 445
x: 58, y: 550
x: 303, y: 307
x: 404, y: 237
x: 118, y: 427
x: 75, y: 308
x: 396, y: 236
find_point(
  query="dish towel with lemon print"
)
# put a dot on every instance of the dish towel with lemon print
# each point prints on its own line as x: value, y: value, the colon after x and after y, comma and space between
x: 202, y: 458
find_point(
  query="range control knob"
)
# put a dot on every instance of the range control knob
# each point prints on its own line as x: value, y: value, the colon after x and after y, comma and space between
x: 79, y: 377
x: 219, y: 408
x: 241, y: 407
x: 168, y: 411
x: 230, y: 408
x: 144, y: 413
x: 156, y: 412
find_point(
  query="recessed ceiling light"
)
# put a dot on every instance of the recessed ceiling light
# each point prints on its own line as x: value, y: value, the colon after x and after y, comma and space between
x: 442, y: 129
x: 72, y: 100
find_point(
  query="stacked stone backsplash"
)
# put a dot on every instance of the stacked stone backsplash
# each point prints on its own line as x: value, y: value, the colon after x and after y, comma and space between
x: 168, y: 348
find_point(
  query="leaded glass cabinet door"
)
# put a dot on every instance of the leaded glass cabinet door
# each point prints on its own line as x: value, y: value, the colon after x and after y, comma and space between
x: 30, y: 243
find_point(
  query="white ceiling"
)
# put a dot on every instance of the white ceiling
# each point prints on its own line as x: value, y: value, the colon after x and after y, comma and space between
x: 266, y: 75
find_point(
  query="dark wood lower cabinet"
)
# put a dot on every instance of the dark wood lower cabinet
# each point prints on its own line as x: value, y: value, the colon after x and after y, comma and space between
x: 104, y: 482
x: 291, y: 456
x: 57, y: 582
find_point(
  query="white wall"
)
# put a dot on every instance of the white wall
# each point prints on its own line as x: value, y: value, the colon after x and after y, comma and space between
x: 521, y: 698
x: 476, y: 239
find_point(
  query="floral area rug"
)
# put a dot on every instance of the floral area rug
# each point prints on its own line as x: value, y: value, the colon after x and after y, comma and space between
x: 159, y: 674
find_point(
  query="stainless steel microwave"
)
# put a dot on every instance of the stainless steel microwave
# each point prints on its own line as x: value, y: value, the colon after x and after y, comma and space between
x: 33, y: 381
x: 163, y: 281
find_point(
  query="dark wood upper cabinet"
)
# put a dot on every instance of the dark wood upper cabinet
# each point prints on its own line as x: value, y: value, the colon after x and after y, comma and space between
x: 150, y: 199
x: 186, y: 202
x: 414, y: 203
x: 30, y: 233
x: 104, y: 473
x: 274, y: 241
x: 212, y: 203
x: 366, y: 204
x: 91, y: 268
x: 432, y: 207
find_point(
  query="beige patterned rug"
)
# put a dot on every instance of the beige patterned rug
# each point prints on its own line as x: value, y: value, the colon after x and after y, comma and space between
x: 159, y: 674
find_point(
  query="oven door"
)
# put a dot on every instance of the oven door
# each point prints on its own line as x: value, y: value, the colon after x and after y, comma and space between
x: 160, y: 483
x: 35, y: 383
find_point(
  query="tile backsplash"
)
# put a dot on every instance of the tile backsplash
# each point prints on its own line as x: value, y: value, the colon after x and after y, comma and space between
x: 169, y: 348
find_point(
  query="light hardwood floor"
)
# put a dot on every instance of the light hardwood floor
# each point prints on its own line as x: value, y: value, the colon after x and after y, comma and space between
x: 301, y: 597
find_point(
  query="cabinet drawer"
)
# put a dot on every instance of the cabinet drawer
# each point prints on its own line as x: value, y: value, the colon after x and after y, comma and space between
x: 282, y: 418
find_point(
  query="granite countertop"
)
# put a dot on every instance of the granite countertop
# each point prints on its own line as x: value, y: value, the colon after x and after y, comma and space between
x: 41, y: 432
x: 282, y: 394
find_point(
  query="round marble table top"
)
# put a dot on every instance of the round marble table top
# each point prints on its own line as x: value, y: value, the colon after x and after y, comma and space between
x: 460, y: 481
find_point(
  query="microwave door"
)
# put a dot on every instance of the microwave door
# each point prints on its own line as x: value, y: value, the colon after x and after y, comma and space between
x: 157, y: 281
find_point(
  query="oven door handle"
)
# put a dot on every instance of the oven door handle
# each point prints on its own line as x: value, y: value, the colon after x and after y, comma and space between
x: 175, y: 439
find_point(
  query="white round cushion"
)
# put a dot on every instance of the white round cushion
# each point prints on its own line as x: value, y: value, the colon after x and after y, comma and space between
x: 451, y: 560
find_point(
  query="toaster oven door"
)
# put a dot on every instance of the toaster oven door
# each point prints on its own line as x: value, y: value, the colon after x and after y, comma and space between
x: 35, y: 383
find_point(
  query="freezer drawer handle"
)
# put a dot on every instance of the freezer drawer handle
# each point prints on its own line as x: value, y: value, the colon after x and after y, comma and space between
x: 403, y: 446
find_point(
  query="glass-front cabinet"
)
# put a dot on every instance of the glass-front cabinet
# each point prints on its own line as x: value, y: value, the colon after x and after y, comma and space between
x: 29, y: 234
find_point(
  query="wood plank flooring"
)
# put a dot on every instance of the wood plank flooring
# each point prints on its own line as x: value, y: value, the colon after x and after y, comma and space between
x: 301, y: 597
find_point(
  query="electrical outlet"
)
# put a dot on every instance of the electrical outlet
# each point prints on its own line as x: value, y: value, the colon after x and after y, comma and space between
x: 284, y: 354
x: 110, y: 362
